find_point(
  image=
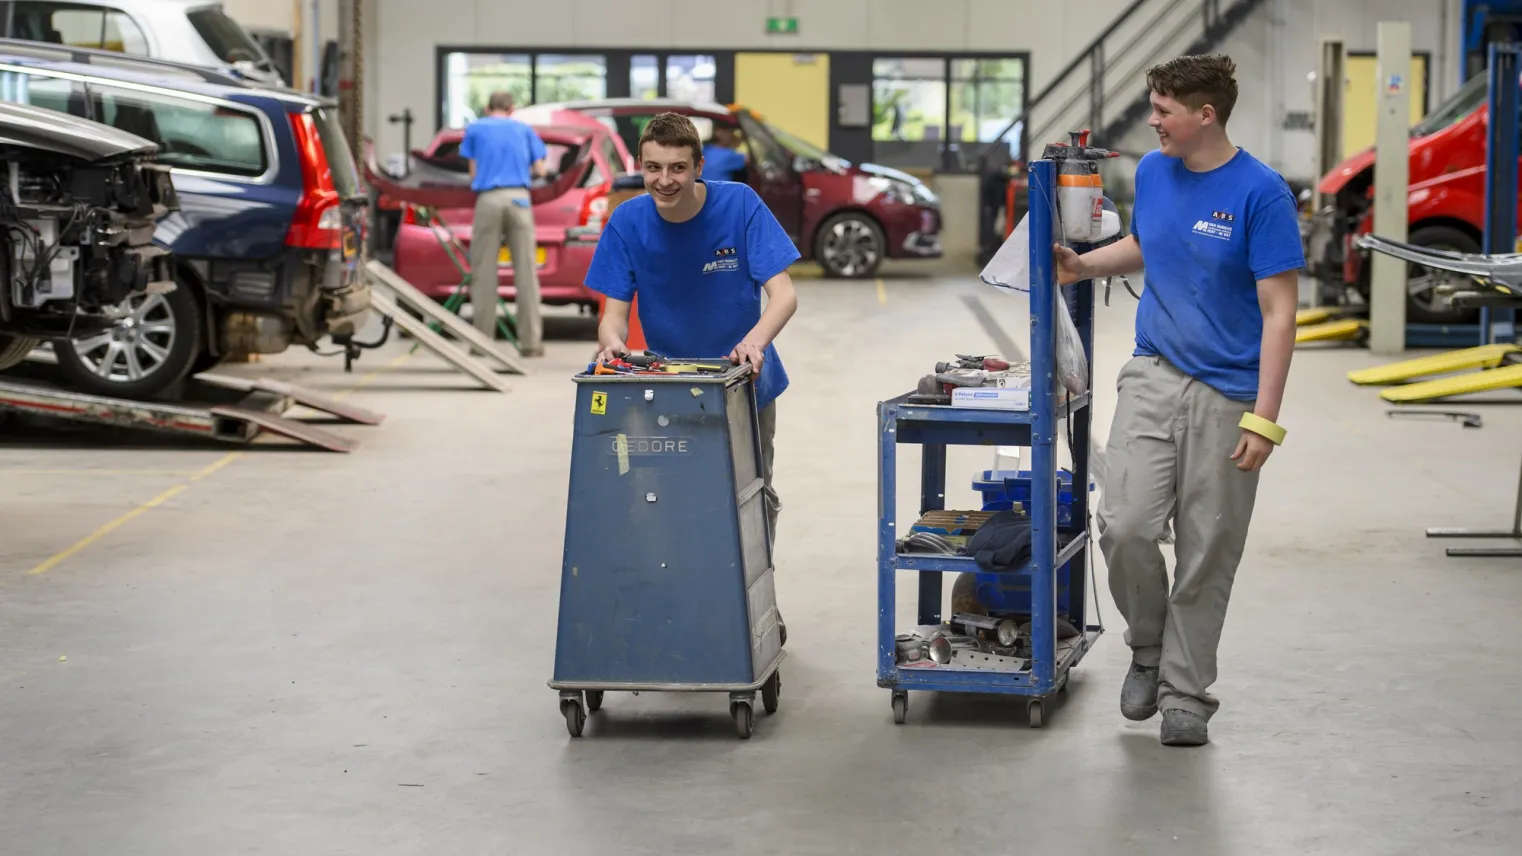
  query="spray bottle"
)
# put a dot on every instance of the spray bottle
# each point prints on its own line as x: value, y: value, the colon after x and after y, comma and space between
x: 1080, y: 191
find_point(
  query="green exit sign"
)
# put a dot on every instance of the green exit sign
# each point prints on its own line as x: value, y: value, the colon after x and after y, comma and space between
x: 788, y: 26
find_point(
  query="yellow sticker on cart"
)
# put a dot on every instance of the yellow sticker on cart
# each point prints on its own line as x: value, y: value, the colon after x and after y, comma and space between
x: 599, y: 403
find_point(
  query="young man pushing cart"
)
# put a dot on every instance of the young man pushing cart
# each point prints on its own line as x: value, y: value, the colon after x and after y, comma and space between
x: 698, y: 253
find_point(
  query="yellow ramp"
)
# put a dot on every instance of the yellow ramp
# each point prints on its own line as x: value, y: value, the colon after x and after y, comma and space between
x: 1313, y: 316
x: 791, y: 91
x: 1347, y: 330
x: 1481, y: 357
x: 1447, y: 387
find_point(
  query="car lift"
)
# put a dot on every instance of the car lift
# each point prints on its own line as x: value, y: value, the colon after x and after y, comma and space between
x: 215, y: 407
x: 1497, y: 272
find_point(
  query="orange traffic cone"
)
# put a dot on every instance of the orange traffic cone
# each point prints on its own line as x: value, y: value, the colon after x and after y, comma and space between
x: 636, y: 340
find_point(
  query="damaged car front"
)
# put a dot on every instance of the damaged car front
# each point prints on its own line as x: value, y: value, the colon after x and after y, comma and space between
x: 78, y: 209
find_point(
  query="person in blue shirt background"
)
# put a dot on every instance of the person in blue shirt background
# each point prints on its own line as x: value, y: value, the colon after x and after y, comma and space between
x: 1217, y: 234
x: 505, y: 155
x: 699, y: 254
x: 722, y: 158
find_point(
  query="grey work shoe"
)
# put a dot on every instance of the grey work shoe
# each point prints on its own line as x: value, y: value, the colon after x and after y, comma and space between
x: 1138, y: 695
x: 1184, y: 728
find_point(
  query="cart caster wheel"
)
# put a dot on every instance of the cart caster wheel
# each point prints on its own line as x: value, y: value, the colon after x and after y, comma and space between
x: 575, y: 717
x: 770, y: 691
x: 900, y: 708
x: 1034, y: 712
x: 594, y: 701
x: 741, y: 711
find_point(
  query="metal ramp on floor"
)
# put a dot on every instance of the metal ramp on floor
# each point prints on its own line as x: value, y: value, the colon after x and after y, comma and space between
x: 392, y: 296
x: 220, y: 408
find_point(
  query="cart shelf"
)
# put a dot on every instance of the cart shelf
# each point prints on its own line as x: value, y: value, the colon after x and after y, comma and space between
x: 938, y: 563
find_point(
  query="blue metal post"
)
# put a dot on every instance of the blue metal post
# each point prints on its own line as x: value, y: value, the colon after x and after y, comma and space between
x: 1503, y: 148
x: 1043, y: 231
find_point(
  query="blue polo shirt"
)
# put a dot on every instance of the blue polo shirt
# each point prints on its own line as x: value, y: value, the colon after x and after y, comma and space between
x: 699, y: 282
x: 503, y: 149
x: 723, y: 164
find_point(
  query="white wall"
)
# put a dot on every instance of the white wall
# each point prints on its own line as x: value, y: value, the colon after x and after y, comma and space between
x: 1273, y: 61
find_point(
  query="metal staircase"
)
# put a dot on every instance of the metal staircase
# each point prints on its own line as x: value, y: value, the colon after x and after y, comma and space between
x: 1104, y: 87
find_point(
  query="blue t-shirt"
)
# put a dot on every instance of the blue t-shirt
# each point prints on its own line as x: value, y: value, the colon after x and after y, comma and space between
x: 699, y: 282
x: 1206, y: 239
x: 721, y: 163
x: 503, y: 149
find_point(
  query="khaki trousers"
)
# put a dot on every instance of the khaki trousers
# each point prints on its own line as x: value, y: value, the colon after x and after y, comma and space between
x: 1169, y: 455
x: 504, y: 213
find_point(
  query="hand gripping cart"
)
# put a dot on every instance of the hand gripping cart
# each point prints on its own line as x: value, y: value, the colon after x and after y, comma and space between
x: 666, y: 584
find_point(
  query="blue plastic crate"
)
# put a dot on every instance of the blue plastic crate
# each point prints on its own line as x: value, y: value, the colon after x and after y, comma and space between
x: 1003, y: 490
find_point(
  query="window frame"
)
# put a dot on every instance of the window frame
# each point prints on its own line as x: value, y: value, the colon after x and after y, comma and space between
x: 266, y: 127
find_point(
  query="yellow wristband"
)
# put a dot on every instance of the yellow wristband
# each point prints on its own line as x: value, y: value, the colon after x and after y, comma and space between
x: 1258, y: 425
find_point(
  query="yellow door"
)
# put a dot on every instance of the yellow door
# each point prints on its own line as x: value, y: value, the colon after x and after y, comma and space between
x: 790, y: 91
x: 1358, y: 100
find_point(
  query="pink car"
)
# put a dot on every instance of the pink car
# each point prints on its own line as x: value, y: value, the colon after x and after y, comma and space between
x: 570, y: 208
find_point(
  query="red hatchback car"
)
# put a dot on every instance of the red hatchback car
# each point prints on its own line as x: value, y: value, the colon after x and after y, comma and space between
x: 569, y: 209
x: 847, y: 217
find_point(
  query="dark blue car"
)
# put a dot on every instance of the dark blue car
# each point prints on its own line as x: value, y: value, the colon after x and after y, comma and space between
x: 268, y: 234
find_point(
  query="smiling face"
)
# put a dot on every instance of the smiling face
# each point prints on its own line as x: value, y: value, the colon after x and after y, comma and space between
x: 671, y: 172
x: 1178, y: 127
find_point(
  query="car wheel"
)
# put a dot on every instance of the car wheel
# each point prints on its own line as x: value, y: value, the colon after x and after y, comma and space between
x: 14, y: 349
x: 850, y: 245
x: 149, y: 349
x: 1423, y: 304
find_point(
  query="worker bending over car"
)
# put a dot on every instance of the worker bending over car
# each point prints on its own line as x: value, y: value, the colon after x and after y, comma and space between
x: 1216, y: 231
x: 698, y: 252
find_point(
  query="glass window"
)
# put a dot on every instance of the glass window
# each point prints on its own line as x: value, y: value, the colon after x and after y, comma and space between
x: 225, y: 36
x: 190, y: 134
x: 471, y: 78
x: 570, y: 77
x: 985, y: 95
x: 644, y: 77
x: 59, y: 24
x: 908, y: 111
x: 690, y: 77
x: 65, y: 96
x: 336, y: 146
x: 615, y: 161
x: 123, y: 35
x: 1468, y: 99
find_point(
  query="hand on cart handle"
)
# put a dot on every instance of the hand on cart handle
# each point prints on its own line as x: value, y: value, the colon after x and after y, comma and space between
x: 748, y: 353
x: 1070, y: 268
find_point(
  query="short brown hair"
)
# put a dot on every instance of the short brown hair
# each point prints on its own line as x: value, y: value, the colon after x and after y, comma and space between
x: 671, y: 129
x: 1195, y: 81
x: 500, y: 100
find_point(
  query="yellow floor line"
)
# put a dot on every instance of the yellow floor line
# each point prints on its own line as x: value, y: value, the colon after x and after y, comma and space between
x: 882, y: 293
x: 58, y: 558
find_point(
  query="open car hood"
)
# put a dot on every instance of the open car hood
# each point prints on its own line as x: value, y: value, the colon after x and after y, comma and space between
x: 439, y: 183
x: 44, y: 131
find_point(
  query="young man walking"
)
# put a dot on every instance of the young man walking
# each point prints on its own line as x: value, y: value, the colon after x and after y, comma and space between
x: 504, y: 153
x: 1199, y: 400
x: 699, y: 253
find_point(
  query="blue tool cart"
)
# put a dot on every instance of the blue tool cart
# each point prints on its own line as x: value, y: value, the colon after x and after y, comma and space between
x: 1037, y: 649
x: 666, y: 584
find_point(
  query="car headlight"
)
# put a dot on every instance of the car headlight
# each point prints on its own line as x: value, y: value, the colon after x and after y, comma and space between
x: 896, y: 191
x: 925, y: 196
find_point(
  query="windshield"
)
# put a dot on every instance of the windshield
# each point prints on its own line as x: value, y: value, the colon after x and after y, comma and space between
x: 795, y: 145
x: 1469, y: 97
x: 226, y: 37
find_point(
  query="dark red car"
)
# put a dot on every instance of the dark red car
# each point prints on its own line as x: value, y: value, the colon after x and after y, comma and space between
x: 847, y: 217
x: 569, y: 210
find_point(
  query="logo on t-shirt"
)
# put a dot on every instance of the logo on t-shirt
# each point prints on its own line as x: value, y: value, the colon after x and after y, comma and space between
x: 1224, y: 215
x: 722, y: 265
x: 1212, y: 228
x: 727, y: 251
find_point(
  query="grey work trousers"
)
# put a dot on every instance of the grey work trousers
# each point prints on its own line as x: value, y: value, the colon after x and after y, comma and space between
x: 1169, y: 454
x: 505, y: 212
x: 767, y: 423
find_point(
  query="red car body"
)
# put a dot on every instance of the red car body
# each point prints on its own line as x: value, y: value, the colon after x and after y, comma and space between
x: 569, y: 210
x: 1445, y: 203
x: 847, y: 217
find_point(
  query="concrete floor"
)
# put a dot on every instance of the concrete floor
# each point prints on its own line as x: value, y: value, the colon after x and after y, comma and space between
x: 292, y: 652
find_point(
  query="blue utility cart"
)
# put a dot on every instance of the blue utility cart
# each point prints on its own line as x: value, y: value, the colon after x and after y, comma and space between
x: 1043, y: 671
x: 666, y: 584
